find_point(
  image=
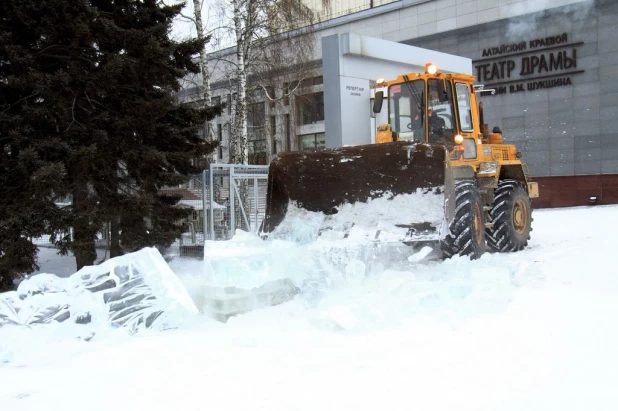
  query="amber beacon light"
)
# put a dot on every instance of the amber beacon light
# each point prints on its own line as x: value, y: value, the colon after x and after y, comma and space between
x: 431, y: 68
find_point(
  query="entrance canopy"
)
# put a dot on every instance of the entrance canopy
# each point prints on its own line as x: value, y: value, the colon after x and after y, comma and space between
x: 351, y: 64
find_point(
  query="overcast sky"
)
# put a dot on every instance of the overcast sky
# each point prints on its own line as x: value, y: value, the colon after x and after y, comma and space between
x: 183, y: 28
x: 211, y: 10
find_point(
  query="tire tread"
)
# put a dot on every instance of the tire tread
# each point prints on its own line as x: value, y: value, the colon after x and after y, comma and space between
x: 500, y: 236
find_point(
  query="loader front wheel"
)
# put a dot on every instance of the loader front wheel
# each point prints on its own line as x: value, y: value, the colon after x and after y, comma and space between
x: 467, y: 230
x: 511, y: 216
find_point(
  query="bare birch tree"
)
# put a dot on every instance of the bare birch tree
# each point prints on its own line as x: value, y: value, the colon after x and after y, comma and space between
x: 199, y: 26
x: 273, y: 41
x: 244, y: 17
x: 203, y: 86
x: 272, y: 38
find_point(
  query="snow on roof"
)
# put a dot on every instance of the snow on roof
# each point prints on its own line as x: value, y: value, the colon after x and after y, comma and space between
x: 197, y: 204
x: 184, y: 193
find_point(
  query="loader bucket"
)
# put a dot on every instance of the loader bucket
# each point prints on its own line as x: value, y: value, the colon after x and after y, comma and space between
x: 323, y: 181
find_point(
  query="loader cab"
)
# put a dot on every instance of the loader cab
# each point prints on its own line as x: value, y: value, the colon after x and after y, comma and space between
x: 431, y: 107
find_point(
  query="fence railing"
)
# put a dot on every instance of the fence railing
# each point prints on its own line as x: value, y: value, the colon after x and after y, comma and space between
x: 241, y: 191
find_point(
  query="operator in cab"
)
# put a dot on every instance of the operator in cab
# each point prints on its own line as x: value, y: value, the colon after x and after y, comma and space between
x: 440, y: 116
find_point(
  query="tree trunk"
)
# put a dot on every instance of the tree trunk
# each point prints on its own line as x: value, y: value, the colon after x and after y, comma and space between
x: 114, y: 247
x: 203, y: 56
x: 197, y: 8
x: 6, y: 281
x: 242, y: 42
x: 83, y: 247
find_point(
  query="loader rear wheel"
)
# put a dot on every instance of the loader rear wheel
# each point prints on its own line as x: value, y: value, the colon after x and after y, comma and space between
x: 511, y: 216
x: 467, y: 230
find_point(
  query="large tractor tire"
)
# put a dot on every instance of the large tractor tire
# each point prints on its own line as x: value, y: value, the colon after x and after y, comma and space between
x: 511, y: 216
x: 467, y: 230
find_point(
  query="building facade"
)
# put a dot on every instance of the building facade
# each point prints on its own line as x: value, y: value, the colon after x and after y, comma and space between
x: 555, y: 75
x: 553, y: 65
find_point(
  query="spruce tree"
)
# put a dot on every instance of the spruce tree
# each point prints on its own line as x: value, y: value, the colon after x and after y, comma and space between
x: 101, y: 75
x: 30, y: 180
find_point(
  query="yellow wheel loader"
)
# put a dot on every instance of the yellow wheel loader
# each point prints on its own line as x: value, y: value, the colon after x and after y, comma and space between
x: 465, y: 189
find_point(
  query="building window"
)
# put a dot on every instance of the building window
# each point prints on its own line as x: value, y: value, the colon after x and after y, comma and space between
x: 310, y: 108
x: 312, y: 141
x: 231, y: 101
x: 273, y: 133
x: 215, y: 101
x: 288, y: 137
x: 256, y: 133
x: 311, y: 81
x: 257, y: 152
x: 256, y: 117
x: 273, y: 125
x: 220, y: 135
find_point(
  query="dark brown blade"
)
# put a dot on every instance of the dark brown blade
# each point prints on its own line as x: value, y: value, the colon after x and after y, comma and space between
x: 323, y: 180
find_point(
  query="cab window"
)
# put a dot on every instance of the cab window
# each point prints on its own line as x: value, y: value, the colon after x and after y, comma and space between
x: 440, y: 118
x: 463, y: 107
x: 406, y: 110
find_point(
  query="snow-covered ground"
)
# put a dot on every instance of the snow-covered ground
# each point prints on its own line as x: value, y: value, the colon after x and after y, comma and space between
x: 535, y: 330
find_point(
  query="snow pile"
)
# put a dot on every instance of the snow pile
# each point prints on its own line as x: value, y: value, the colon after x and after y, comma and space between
x: 135, y: 291
x: 446, y: 293
x: 246, y: 261
x: 382, y: 218
x: 248, y: 273
x: 307, y: 243
x: 309, y: 250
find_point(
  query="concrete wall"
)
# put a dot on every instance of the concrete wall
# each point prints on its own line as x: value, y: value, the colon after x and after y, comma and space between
x: 409, y: 19
x: 567, y: 129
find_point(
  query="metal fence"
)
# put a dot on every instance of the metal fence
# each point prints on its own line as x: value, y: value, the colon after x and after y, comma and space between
x: 222, y: 199
x: 237, y: 199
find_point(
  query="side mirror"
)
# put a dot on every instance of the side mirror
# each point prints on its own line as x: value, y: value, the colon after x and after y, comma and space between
x: 377, y: 101
x: 484, y: 127
x: 442, y: 94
